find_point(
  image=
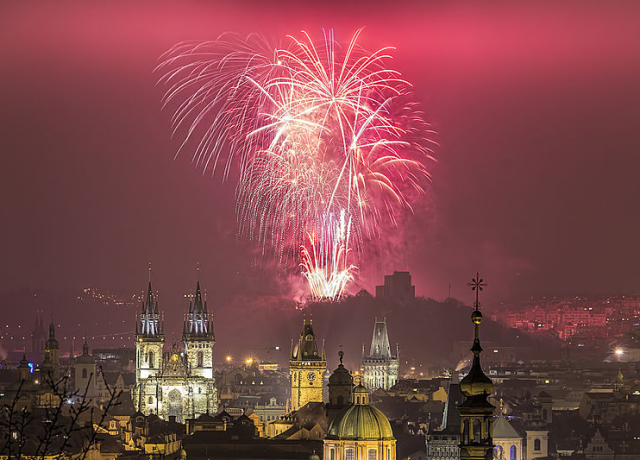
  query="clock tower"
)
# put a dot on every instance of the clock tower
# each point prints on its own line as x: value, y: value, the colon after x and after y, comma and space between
x: 306, y: 367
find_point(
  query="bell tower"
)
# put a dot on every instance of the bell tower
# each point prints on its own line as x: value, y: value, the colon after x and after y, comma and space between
x: 306, y: 367
x: 198, y: 337
x: 476, y: 413
x: 149, y: 338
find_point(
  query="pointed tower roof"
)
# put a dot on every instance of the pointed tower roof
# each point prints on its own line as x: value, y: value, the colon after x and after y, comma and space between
x: 198, y: 306
x: 307, y: 348
x: 476, y: 383
x: 380, y: 347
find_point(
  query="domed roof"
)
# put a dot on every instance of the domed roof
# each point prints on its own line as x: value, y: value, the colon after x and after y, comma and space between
x: 476, y: 383
x: 360, y: 422
x: 85, y: 357
x: 360, y: 389
x: 341, y: 376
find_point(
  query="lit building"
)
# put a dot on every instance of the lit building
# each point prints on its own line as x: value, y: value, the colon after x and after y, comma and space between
x: 359, y: 431
x: 507, y: 441
x: 380, y: 367
x: 444, y: 444
x: 176, y: 385
x: 306, y: 367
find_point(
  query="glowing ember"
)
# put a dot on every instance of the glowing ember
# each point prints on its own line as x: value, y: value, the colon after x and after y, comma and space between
x: 317, y: 131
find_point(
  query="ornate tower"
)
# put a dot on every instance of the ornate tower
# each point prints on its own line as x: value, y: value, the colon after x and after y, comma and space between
x: 476, y: 413
x: 51, y: 364
x: 149, y: 338
x: 306, y: 367
x: 380, y: 368
x: 198, y: 337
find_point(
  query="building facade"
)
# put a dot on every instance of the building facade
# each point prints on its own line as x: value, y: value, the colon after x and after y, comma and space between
x: 178, y: 384
x: 380, y: 366
x: 306, y: 367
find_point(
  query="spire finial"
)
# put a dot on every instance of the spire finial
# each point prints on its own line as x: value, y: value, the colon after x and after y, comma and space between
x: 341, y: 355
x: 149, y: 271
x: 198, y: 269
x: 477, y: 284
x: 501, y: 406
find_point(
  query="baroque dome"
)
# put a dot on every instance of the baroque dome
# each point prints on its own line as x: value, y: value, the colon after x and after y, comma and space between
x: 360, y: 422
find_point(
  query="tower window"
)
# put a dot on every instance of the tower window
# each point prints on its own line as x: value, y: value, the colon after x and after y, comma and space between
x: 536, y: 445
x: 349, y: 454
x: 373, y: 454
x: 513, y: 453
x: 84, y: 373
x: 150, y: 399
x: 151, y: 360
x: 200, y: 359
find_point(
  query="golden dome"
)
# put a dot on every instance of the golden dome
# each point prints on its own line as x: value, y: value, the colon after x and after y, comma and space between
x: 360, y: 422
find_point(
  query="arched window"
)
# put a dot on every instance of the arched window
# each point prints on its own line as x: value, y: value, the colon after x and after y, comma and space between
x: 151, y: 360
x: 150, y: 399
x: 332, y: 454
x: 514, y: 452
x: 477, y: 430
x: 465, y: 432
x: 349, y: 454
x: 84, y: 373
x: 373, y: 454
x: 536, y: 445
x: 200, y: 359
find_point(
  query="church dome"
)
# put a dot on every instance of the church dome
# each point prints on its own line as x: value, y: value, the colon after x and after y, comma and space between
x: 360, y: 422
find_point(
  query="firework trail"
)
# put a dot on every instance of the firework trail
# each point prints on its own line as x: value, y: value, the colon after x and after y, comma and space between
x: 326, y: 139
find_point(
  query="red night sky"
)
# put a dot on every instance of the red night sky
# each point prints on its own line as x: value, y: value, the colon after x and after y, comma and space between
x: 536, y: 104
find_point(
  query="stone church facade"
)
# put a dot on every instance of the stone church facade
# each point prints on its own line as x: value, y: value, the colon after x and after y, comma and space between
x: 176, y: 384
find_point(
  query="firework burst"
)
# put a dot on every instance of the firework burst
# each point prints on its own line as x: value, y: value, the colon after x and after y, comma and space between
x: 326, y: 140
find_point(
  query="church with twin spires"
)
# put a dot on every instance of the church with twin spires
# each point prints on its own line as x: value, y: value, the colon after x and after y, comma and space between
x: 176, y: 384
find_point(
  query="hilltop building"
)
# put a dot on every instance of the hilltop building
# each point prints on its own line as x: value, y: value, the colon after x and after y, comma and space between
x: 175, y: 385
x: 306, y: 367
x: 397, y: 287
x: 380, y: 367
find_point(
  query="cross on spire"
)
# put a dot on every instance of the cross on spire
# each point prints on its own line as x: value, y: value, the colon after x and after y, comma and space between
x: 149, y: 271
x: 477, y: 284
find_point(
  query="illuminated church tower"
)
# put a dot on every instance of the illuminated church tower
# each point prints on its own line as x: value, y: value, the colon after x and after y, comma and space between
x: 149, y: 338
x: 476, y: 413
x: 198, y: 337
x: 306, y: 368
x: 380, y: 368
x: 50, y: 368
